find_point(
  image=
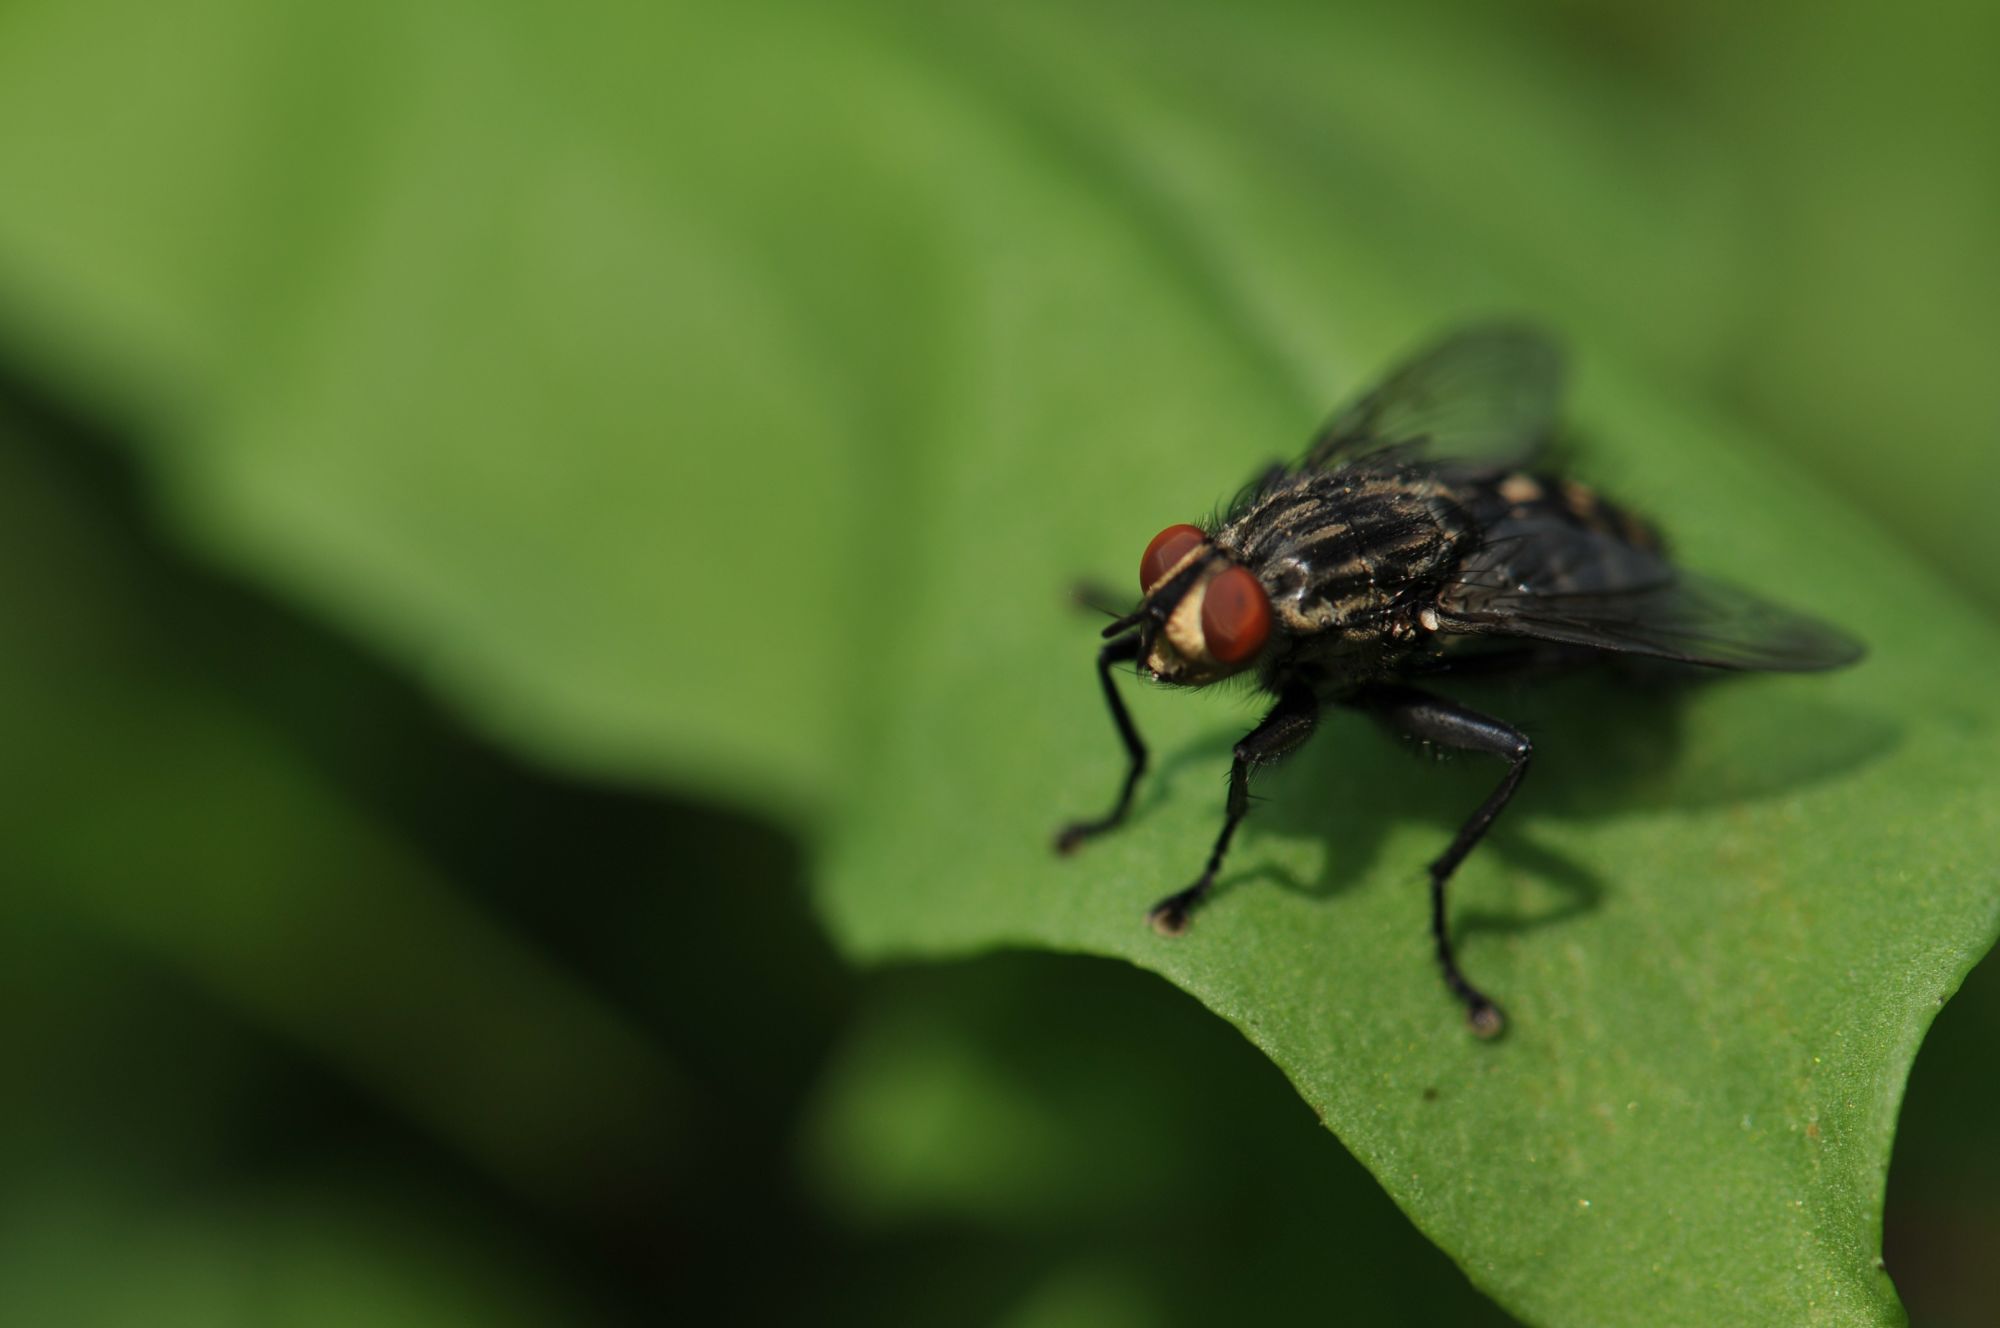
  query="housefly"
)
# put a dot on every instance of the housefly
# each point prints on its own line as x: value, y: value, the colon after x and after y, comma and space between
x: 1418, y: 538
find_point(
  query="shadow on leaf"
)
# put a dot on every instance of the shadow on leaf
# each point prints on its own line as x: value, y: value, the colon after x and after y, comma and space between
x: 1607, y: 744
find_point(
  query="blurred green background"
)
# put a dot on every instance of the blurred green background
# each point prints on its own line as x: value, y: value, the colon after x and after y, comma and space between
x: 459, y: 470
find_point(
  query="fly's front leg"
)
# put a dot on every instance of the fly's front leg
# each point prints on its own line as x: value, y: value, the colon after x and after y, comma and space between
x: 1289, y: 723
x: 1117, y: 652
x: 1435, y: 720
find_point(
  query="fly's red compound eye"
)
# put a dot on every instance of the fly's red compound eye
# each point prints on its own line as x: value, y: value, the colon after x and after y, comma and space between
x: 1168, y: 547
x: 1235, y: 616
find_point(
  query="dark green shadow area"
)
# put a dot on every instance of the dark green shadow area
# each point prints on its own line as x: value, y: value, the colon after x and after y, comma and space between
x: 1944, y: 1184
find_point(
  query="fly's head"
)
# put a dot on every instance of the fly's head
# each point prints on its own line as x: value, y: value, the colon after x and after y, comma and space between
x: 1204, y: 615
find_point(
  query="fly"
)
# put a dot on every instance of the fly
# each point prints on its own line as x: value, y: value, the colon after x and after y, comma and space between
x: 1418, y: 538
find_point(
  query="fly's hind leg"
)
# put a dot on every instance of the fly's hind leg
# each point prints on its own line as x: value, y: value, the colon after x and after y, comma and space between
x: 1435, y: 720
x: 1281, y: 732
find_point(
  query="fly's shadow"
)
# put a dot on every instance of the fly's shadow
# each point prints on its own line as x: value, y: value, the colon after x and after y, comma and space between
x: 1605, y: 744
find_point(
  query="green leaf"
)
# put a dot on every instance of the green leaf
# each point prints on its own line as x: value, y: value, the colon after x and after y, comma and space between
x: 730, y: 400
x: 1720, y: 922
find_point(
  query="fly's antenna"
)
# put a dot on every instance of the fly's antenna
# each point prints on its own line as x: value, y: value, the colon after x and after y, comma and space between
x: 1125, y: 624
x: 1160, y: 601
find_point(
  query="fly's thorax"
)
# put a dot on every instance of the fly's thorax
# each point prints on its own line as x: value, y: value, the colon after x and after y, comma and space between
x: 1317, y: 599
x: 1350, y: 554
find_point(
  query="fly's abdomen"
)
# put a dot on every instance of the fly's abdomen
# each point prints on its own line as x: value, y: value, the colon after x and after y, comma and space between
x: 1522, y: 497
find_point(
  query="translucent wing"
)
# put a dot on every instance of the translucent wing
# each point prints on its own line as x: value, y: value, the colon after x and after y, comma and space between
x: 1486, y: 394
x: 1553, y: 582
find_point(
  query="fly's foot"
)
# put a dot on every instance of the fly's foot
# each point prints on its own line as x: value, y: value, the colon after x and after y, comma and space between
x: 1485, y: 1018
x: 1170, y: 917
x: 1481, y: 1014
x: 1071, y: 837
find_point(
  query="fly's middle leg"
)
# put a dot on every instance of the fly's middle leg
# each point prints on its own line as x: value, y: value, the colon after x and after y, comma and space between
x: 1281, y: 732
x: 1433, y: 719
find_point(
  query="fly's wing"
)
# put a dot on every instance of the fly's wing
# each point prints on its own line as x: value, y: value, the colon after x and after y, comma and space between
x: 1486, y: 395
x: 1550, y: 581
